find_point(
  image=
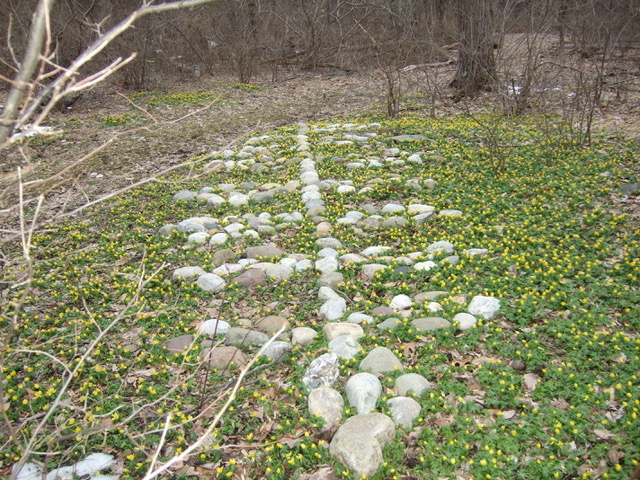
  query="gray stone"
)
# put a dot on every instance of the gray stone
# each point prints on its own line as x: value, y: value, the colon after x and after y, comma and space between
x: 277, y: 350
x: 408, y: 138
x: 279, y: 272
x: 428, y: 296
x: 178, y: 344
x: 327, y: 264
x: 266, y: 196
x: 358, y: 443
x: 264, y: 252
x: 422, y: 218
x: 329, y: 242
x: 184, y: 195
x: 333, y: 309
x: 251, y: 278
x: 427, y: 324
x: 382, y: 311
x: 449, y: 212
x: 331, y: 279
x: 344, y: 346
x: 327, y: 293
x: 198, y: 237
x: 326, y: 403
x: 441, y: 246
x: 392, y: 208
x: 222, y: 356
x: 394, y: 222
x: 210, y: 282
x: 188, y: 273
x: 271, y: 324
x: 485, y: 307
x: 412, y: 383
x: 303, y: 335
x: 472, y: 252
x: 390, y: 323
x: 190, y: 226
x: 404, y: 410
x: 380, y: 360
x: 167, y: 230
x: 244, y: 336
x: 363, y: 391
x: 323, y: 370
x: 220, y: 257
x: 369, y: 270
x: 465, y: 321
x: 452, y: 259
x: 370, y: 222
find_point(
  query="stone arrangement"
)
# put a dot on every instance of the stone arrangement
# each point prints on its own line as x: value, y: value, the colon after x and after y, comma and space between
x: 357, y: 441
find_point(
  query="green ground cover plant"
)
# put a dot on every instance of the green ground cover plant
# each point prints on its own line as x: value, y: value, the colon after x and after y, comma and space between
x: 548, y: 388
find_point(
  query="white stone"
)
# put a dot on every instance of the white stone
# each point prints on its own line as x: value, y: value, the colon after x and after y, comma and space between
x: 188, y: 273
x: 214, y: 326
x: 326, y: 403
x: 218, y: 238
x: 426, y: 266
x: 323, y: 370
x: 392, y: 208
x: 483, y: 306
x: 401, y: 302
x: 333, y: 309
x: 302, y: 265
x: 434, y: 307
x: 374, y: 251
x: 360, y: 317
x: 227, y: 268
x: 328, y: 252
x: 412, y: 383
x: 333, y: 330
x: 303, y: 335
x: 465, y: 321
x: 327, y: 264
x: 210, y: 282
x: 238, y: 199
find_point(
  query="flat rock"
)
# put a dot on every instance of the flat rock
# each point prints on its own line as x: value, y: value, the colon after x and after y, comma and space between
x: 184, y: 195
x: 412, y: 383
x: 427, y: 324
x: 394, y: 222
x: 328, y: 404
x: 222, y: 356
x: 450, y: 212
x: 380, y: 360
x: 264, y: 252
x: 333, y: 330
x: 390, y: 323
x: 363, y: 391
x: 428, y: 296
x: 425, y: 266
x: 178, y: 344
x: 210, y: 282
x: 327, y: 264
x: 329, y: 242
x: 382, y: 311
x: 188, y: 273
x: 359, y: 442
x: 323, y: 371
x: 218, y: 238
x: 244, y: 336
x: 404, y: 410
x: 251, y: 278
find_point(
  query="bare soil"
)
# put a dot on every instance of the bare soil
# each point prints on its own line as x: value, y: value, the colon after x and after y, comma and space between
x: 97, y: 157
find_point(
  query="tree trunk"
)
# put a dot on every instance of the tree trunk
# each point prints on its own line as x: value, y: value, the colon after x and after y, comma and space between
x: 476, y: 59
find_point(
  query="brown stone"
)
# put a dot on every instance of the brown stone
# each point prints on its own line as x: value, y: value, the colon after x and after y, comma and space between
x: 178, y: 344
x: 252, y: 277
x: 223, y: 356
x: 271, y: 324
